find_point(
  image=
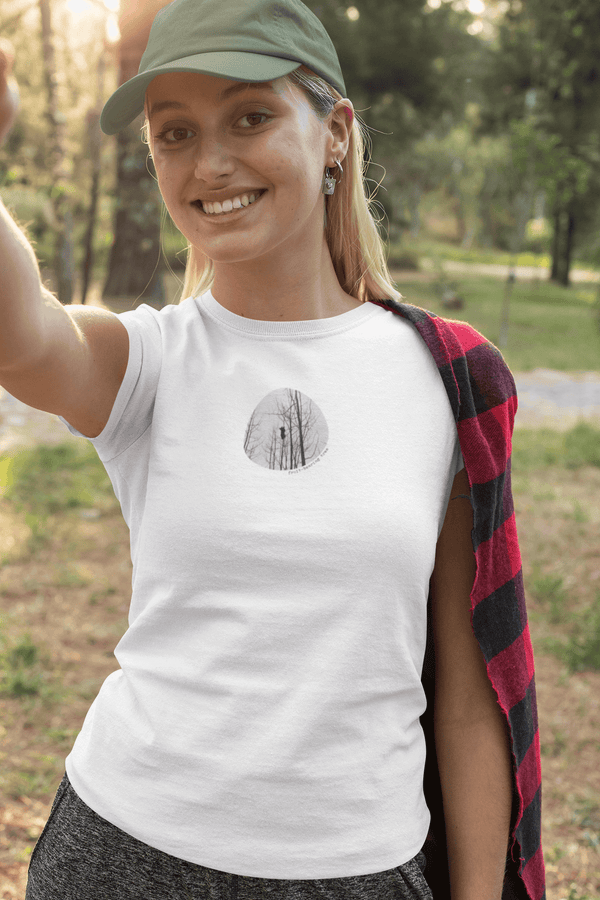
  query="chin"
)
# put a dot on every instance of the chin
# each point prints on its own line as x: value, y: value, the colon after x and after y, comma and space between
x: 241, y: 247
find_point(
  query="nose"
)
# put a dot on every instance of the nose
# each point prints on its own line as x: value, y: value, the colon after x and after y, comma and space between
x: 212, y: 160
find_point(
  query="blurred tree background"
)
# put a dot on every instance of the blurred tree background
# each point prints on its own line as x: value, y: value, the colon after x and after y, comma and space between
x: 485, y: 118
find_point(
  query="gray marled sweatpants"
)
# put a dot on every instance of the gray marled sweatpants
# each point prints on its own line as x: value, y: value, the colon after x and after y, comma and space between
x: 81, y: 856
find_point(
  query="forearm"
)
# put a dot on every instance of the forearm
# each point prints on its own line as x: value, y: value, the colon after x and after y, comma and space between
x: 476, y: 775
x: 21, y: 295
x: 22, y: 298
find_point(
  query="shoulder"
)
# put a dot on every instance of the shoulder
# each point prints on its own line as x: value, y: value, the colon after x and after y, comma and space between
x: 146, y: 313
x: 459, y: 335
x: 465, y: 357
x: 151, y: 322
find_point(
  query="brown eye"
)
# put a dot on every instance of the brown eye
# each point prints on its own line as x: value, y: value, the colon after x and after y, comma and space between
x: 179, y: 135
x: 255, y: 115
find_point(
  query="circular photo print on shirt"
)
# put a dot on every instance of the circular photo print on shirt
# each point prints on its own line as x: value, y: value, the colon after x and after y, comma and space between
x: 286, y: 431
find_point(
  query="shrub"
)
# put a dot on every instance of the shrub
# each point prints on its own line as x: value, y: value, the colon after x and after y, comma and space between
x: 404, y: 260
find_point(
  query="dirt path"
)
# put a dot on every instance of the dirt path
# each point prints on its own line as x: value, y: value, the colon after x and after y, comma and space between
x: 523, y: 273
x: 23, y: 426
x: 557, y: 399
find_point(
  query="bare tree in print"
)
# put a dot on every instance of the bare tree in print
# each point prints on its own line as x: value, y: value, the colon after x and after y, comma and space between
x: 295, y: 439
x: 253, y: 438
x: 286, y: 431
x: 300, y: 423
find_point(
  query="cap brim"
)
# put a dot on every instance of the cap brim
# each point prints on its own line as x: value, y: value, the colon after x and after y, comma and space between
x: 127, y: 102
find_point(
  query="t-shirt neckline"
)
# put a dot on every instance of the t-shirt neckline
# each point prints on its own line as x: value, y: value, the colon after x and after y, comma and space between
x: 282, y: 329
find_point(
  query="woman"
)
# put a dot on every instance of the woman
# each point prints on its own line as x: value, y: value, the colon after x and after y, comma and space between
x: 267, y: 734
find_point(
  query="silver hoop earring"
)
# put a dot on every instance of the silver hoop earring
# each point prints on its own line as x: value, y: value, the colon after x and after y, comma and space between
x: 329, y: 182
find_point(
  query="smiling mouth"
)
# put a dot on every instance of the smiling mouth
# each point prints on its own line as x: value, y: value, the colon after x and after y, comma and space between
x: 232, y: 213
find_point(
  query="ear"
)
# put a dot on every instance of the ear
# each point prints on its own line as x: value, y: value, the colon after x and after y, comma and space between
x: 146, y: 136
x: 341, y: 122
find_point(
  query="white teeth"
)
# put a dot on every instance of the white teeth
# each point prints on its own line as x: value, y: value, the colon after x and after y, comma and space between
x: 229, y: 205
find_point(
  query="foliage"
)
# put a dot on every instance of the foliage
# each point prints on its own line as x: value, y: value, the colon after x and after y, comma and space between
x: 477, y: 175
x: 485, y: 124
x: 442, y: 250
x: 32, y: 210
x: 408, y: 60
x: 25, y: 165
x: 406, y: 94
x: 407, y: 65
x: 542, y: 89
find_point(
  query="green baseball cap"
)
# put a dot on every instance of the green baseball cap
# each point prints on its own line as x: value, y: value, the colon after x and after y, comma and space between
x: 245, y: 40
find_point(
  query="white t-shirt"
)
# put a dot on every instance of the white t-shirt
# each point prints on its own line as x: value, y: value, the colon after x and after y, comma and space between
x: 285, y: 484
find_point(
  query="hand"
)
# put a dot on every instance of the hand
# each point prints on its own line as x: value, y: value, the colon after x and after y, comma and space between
x: 9, y: 92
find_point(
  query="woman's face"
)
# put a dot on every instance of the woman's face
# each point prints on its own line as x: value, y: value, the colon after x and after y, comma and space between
x: 214, y: 139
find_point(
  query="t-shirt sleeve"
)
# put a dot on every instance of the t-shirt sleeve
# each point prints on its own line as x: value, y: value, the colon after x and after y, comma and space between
x: 460, y: 463
x: 133, y: 408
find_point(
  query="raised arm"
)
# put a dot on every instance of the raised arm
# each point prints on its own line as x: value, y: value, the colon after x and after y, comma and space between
x: 70, y: 362
x: 471, y: 734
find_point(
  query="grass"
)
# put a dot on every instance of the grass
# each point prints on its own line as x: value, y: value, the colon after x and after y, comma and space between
x: 550, y: 326
x: 549, y: 589
x: 47, y: 480
x: 442, y: 250
x: 41, y: 485
x: 540, y: 447
x: 580, y: 650
x: 20, y: 671
x: 536, y: 450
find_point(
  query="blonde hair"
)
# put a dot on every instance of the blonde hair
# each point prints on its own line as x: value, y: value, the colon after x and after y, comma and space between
x: 356, y: 247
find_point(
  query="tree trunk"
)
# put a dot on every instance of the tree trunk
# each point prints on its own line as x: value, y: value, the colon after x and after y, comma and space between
x: 63, y: 254
x: 562, y: 248
x: 459, y: 215
x: 569, y: 246
x: 92, y: 215
x: 415, y: 193
x: 95, y: 151
x: 555, y: 246
x: 135, y: 267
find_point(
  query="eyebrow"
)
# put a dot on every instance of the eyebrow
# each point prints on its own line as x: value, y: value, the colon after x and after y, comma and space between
x: 228, y: 92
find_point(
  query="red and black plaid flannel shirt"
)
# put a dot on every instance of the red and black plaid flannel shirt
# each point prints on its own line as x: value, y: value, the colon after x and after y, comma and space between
x: 483, y: 398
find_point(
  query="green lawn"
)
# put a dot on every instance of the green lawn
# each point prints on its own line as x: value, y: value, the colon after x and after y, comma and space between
x: 550, y: 327
x: 438, y: 249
